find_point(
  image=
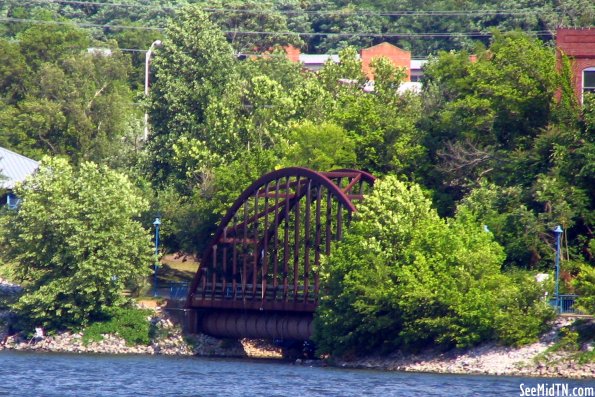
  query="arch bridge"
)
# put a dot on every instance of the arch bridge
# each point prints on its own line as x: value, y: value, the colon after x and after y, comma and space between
x: 259, y: 276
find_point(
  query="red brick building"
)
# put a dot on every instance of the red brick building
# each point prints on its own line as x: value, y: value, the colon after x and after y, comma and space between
x: 579, y: 46
x: 400, y: 58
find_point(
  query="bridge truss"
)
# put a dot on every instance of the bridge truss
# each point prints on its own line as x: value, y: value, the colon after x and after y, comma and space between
x: 259, y: 277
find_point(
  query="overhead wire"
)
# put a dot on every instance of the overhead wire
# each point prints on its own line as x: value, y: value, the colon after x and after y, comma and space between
x: 477, y: 12
x: 79, y: 24
x: 285, y: 33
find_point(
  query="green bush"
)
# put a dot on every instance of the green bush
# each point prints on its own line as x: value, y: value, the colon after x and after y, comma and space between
x: 131, y: 324
x: 572, y: 340
x: 585, y: 287
x: 405, y: 278
x: 76, y: 243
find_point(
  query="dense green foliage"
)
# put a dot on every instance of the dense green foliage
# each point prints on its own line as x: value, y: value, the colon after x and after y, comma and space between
x: 404, y: 277
x: 496, y: 140
x: 519, y: 159
x: 77, y: 243
x: 58, y: 99
x: 585, y: 287
x: 130, y: 324
x: 466, y: 20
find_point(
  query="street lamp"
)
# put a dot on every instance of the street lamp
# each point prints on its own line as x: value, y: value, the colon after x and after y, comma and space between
x: 558, y: 232
x: 156, y: 43
x: 156, y: 224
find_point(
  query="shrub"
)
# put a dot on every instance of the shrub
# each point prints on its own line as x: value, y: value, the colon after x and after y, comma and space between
x: 585, y: 287
x: 405, y: 278
x: 131, y: 324
x: 75, y: 243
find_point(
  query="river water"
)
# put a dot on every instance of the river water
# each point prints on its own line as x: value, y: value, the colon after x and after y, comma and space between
x: 39, y: 374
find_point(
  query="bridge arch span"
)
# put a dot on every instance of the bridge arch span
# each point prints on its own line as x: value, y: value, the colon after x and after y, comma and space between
x: 264, y: 257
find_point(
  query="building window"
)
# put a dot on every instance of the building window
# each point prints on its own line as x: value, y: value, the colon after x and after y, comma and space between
x: 12, y: 201
x: 589, y: 80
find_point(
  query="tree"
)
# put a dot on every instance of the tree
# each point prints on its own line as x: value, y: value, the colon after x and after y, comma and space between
x: 235, y: 17
x: 402, y: 277
x: 42, y: 43
x: 482, y: 114
x: 193, y: 68
x: 76, y: 243
x: 585, y: 286
x: 64, y: 100
x: 382, y: 123
x: 13, y: 70
x: 320, y: 147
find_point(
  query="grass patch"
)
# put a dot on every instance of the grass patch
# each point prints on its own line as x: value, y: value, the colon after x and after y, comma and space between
x: 570, y: 344
x: 130, y: 324
x: 177, y: 269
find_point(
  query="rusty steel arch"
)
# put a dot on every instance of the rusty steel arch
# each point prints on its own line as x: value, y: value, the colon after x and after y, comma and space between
x: 263, y: 259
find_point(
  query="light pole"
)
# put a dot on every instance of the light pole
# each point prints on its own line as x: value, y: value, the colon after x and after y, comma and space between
x: 156, y: 43
x: 558, y: 232
x: 156, y: 224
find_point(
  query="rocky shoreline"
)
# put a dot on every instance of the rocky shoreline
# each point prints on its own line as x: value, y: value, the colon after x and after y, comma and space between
x: 171, y: 343
x: 487, y: 359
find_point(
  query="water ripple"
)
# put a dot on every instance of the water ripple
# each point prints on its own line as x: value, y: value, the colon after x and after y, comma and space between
x: 37, y: 374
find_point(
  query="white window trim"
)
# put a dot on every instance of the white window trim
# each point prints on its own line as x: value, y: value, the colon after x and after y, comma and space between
x: 589, y: 69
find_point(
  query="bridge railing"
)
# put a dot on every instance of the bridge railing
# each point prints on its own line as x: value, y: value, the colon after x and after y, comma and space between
x: 256, y: 291
x: 565, y: 305
x: 173, y: 291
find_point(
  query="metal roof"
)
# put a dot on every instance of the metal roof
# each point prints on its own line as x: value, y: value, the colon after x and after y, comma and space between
x: 318, y: 59
x: 14, y: 168
x: 418, y: 63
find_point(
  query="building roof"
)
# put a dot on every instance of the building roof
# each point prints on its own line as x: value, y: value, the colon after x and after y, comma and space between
x: 14, y: 168
x: 317, y: 59
x: 418, y: 63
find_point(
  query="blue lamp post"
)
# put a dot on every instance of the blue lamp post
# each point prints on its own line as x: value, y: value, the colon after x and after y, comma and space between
x: 558, y: 232
x: 156, y: 224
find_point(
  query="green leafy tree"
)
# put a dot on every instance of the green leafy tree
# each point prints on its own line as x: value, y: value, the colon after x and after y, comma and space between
x: 320, y: 147
x: 383, y: 124
x: 498, y: 122
x: 76, y: 242
x: 502, y: 99
x: 404, y: 278
x: 192, y: 70
x: 64, y: 100
x: 585, y: 286
x: 13, y: 70
x: 235, y: 17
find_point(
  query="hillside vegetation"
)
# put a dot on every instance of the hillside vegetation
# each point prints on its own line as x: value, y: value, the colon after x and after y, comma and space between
x: 474, y: 172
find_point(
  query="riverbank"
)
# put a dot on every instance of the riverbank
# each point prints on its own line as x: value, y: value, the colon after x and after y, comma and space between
x: 168, y: 340
x: 488, y: 359
x: 534, y: 360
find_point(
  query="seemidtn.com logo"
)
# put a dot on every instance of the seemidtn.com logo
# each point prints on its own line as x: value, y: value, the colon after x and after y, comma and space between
x: 556, y: 390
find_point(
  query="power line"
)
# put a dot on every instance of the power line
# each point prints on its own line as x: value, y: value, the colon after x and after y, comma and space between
x: 286, y: 33
x: 131, y: 49
x: 97, y: 4
x: 80, y: 24
x: 349, y: 12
